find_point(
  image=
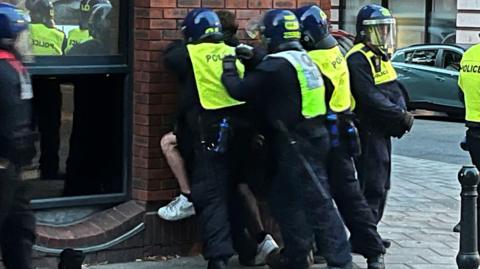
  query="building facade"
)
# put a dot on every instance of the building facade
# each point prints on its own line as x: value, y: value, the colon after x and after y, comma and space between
x: 419, y: 21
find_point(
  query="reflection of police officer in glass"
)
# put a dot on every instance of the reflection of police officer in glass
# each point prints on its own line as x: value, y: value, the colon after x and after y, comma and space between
x: 80, y: 34
x: 293, y: 109
x: 17, y: 223
x: 46, y: 41
x: 469, y: 82
x: 324, y: 50
x: 381, y: 102
x: 96, y: 13
x: 217, y: 124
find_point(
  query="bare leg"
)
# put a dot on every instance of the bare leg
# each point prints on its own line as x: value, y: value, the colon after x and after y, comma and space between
x: 249, y: 202
x: 175, y: 161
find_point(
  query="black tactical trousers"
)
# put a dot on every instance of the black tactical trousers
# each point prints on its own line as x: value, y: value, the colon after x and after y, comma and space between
x: 17, y: 222
x: 47, y: 111
x: 351, y: 203
x: 299, y: 208
x: 374, y: 167
x: 473, y: 143
x: 222, y: 223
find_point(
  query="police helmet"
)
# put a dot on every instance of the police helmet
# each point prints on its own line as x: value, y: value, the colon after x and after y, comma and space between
x: 376, y: 25
x: 12, y: 21
x: 41, y: 11
x: 201, y: 24
x: 280, y: 29
x: 86, y: 11
x: 314, y: 28
x: 98, y: 22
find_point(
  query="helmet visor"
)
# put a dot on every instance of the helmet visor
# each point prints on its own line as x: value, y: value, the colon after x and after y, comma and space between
x: 381, y: 33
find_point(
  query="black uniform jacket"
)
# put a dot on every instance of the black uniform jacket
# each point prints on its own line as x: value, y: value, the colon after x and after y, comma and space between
x: 16, y: 137
x: 379, y: 107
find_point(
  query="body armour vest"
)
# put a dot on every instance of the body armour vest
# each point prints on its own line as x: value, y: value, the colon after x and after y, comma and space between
x: 469, y: 82
x: 46, y: 41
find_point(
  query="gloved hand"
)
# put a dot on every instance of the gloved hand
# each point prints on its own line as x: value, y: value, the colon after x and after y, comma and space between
x: 399, y: 129
x: 244, y: 52
x: 408, y: 121
x: 229, y: 64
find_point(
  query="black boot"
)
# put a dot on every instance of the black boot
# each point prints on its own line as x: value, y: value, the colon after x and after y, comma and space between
x: 71, y: 259
x: 456, y: 229
x: 217, y: 264
x: 377, y: 262
x: 387, y: 243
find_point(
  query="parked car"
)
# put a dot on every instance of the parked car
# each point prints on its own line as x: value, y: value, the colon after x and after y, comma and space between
x: 429, y: 72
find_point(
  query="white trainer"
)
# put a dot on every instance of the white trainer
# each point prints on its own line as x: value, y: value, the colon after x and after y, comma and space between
x: 264, y: 249
x: 179, y: 208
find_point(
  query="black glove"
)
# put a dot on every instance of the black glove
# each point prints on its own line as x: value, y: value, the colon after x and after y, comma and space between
x: 404, y: 126
x: 244, y: 52
x: 408, y: 121
x: 229, y: 64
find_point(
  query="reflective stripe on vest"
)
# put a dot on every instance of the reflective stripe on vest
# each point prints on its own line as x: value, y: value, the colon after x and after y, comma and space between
x: 208, y: 68
x: 46, y: 41
x: 469, y: 82
x: 77, y: 36
x: 386, y: 74
x: 333, y: 65
x: 310, y: 80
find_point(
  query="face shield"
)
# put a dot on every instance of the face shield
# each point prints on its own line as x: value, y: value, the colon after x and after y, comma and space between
x: 381, y: 33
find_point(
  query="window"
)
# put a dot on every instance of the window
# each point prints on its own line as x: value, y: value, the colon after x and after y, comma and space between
x: 403, y: 57
x: 451, y: 60
x: 424, y: 57
x: 441, y: 27
x: 64, y: 36
x: 410, y: 21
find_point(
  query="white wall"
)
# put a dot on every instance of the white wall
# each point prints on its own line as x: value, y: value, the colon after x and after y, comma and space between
x: 468, y: 21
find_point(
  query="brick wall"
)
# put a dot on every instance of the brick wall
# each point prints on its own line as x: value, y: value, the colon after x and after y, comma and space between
x: 156, y: 24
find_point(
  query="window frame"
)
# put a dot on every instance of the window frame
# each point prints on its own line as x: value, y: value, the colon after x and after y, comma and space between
x: 108, y: 65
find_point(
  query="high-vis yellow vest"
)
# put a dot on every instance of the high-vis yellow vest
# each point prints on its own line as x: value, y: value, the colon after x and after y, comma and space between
x: 46, y: 41
x: 207, y: 62
x: 469, y: 82
x: 333, y: 65
x: 77, y: 36
x: 311, y: 82
x: 386, y: 73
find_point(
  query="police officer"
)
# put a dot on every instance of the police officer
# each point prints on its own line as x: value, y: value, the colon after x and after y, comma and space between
x: 293, y: 110
x: 469, y: 82
x: 217, y: 126
x: 324, y: 51
x: 46, y: 41
x: 381, y: 102
x: 80, y: 34
x: 17, y: 223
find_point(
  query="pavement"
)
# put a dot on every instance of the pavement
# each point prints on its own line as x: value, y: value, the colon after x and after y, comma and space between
x: 422, y: 209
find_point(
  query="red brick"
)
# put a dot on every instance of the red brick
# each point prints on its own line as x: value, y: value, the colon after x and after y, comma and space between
x: 161, y: 195
x: 308, y: 2
x: 154, y: 152
x: 148, y: 130
x: 177, y: 13
x: 188, y: 3
x: 284, y: 4
x: 148, y: 34
x: 172, y: 34
x: 163, y: 24
x: 237, y: 3
x: 213, y: 3
x: 163, y: 3
x: 142, y: 3
x: 248, y: 14
x: 142, y: 12
x: 259, y: 3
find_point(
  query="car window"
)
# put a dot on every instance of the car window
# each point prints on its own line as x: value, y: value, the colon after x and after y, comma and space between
x: 403, y: 56
x: 451, y: 60
x: 424, y: 57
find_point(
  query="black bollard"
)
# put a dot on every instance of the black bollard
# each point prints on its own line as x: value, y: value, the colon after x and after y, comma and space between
x: 468, y: 257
